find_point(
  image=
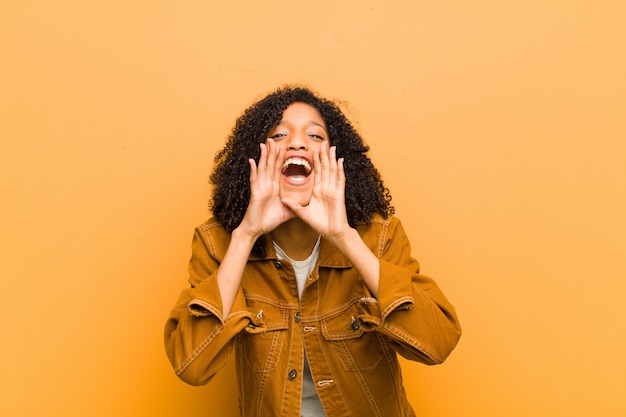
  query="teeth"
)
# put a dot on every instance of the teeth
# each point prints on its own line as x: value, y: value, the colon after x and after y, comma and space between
x: 298, y: 161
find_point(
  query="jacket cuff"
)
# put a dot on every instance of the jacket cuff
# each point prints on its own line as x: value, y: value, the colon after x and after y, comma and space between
x: 395, y: 290
x: 205, y: 300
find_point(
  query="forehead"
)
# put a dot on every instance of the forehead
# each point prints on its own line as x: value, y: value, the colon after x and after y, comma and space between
x: 302, y: 113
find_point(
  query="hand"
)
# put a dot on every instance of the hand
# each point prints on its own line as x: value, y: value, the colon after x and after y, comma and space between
x: 326, y: 211
x: 265, y: 211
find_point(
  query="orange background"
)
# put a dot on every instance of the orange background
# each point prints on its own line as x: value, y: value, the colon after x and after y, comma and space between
x: 498, y: 125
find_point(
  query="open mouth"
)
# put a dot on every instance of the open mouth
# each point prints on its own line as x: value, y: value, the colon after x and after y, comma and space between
x: 296, y: 169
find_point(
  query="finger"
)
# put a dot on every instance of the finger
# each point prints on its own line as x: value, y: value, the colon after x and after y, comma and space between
x: 278, y: 160
x: 317, y: 168
x: 324, y: 162
x: 342, y: 173
x: 274, y: 160
x: 271, y: 158
x: 297, y: 209
x: 292, y: 204
x: 262, y: 158
x: 332, y: 164
x: 253, y: 170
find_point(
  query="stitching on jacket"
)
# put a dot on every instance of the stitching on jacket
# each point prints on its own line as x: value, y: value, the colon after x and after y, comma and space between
x: 366, y: 389
x: 205, y: 343
x: 210, y: 309
x: 384, y: 223
x: 270, y: 301
x: 390, y: 357
x: 328, y: 369
x: 290, y: 352
x: 185, y: 364
x: 383, y: 238
x: 337, y: 311
x: 393, y: 306
x: 413, y: 342
x: 266, y: 366
x: 205, y: 229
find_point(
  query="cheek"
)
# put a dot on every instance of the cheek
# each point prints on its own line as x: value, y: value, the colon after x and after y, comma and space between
x: 317, y: 146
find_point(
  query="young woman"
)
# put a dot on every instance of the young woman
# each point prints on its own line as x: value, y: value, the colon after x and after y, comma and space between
x: 305, y: 273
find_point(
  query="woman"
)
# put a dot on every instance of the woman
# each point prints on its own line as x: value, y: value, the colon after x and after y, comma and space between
x: 304, y: 272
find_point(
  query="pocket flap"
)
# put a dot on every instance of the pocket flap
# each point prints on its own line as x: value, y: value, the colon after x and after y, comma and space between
x: 266, y: 318
x: 351, y: 323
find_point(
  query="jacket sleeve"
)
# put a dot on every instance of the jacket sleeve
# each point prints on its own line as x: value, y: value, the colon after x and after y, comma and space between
x: 414, y: 313
x: 198, y: 339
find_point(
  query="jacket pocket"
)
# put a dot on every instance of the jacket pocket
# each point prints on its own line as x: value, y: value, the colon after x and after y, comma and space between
x: 354, y: 340
x: 262, y: 342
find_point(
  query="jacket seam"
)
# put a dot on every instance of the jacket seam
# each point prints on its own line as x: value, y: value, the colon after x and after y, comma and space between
x: 383, y: 237
x: 209, y: 238
x: 413, y: 342
x: 202, y: 347
x: 337, y: 311
x: 392, y: 363
x: 207, y: 306
x: 368, y: 391
x: 270, y: 301
x: 197, y: 351
x: 263, y: 381
x: 394, y: 305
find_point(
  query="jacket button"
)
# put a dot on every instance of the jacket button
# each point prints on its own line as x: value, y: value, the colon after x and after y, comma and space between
x: 354, y: 325
x: 292, y: 374
x: 296, y: 317
x: 277, y: 264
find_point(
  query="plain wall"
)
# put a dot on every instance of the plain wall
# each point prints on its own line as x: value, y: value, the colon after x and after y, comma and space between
x: 499, y: 127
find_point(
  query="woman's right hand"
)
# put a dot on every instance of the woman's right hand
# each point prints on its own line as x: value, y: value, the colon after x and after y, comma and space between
x: 265, y: 211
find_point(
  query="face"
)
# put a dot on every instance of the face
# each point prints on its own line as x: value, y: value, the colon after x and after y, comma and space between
x: 300, y: 132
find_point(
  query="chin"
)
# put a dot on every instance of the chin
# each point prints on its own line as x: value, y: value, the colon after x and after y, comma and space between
x: 300, y: 194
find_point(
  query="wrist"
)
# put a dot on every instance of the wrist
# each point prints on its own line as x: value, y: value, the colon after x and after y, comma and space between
x: 244, y: 237
x: 344, y: 239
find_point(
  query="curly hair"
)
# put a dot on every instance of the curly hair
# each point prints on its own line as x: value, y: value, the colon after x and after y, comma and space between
x: 365, y: 193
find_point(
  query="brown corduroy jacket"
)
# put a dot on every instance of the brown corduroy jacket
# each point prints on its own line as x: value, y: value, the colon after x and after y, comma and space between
x: 350, y: 338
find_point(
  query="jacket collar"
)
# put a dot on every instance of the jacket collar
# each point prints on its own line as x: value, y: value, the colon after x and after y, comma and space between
x: 329, y: 256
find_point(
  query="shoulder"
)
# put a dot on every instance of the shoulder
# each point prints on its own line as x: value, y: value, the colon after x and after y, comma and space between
x: 213, y: 237
x: 380, y: 224
x: 379, y: 233
x: 212, y: 226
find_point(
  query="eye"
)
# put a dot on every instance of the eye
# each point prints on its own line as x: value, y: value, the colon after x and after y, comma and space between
x: 278, y: 136
x: 316, y: 136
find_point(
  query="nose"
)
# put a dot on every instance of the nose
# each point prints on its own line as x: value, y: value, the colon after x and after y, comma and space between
x: 296, y: 141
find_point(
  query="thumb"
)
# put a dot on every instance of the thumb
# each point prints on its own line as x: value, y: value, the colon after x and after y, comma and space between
x: 292, y: 204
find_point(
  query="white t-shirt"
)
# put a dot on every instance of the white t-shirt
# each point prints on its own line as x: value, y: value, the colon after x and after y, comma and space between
x: 311, y: 405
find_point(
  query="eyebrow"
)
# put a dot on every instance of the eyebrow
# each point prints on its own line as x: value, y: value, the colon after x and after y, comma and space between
x: 318, y: 124
x: 313, y: 122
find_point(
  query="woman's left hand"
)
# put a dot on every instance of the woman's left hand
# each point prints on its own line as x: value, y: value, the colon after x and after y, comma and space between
x: 326, y: 214
x: 326, y: 211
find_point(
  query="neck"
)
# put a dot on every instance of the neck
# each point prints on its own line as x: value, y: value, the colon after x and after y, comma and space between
x: 296, y: 238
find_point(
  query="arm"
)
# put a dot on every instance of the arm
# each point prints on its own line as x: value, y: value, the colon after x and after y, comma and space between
x: 411, y: 309
x: 357, y: 252
x: 265, y: 212
x: 210, y: 313
x: 198, y: 338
